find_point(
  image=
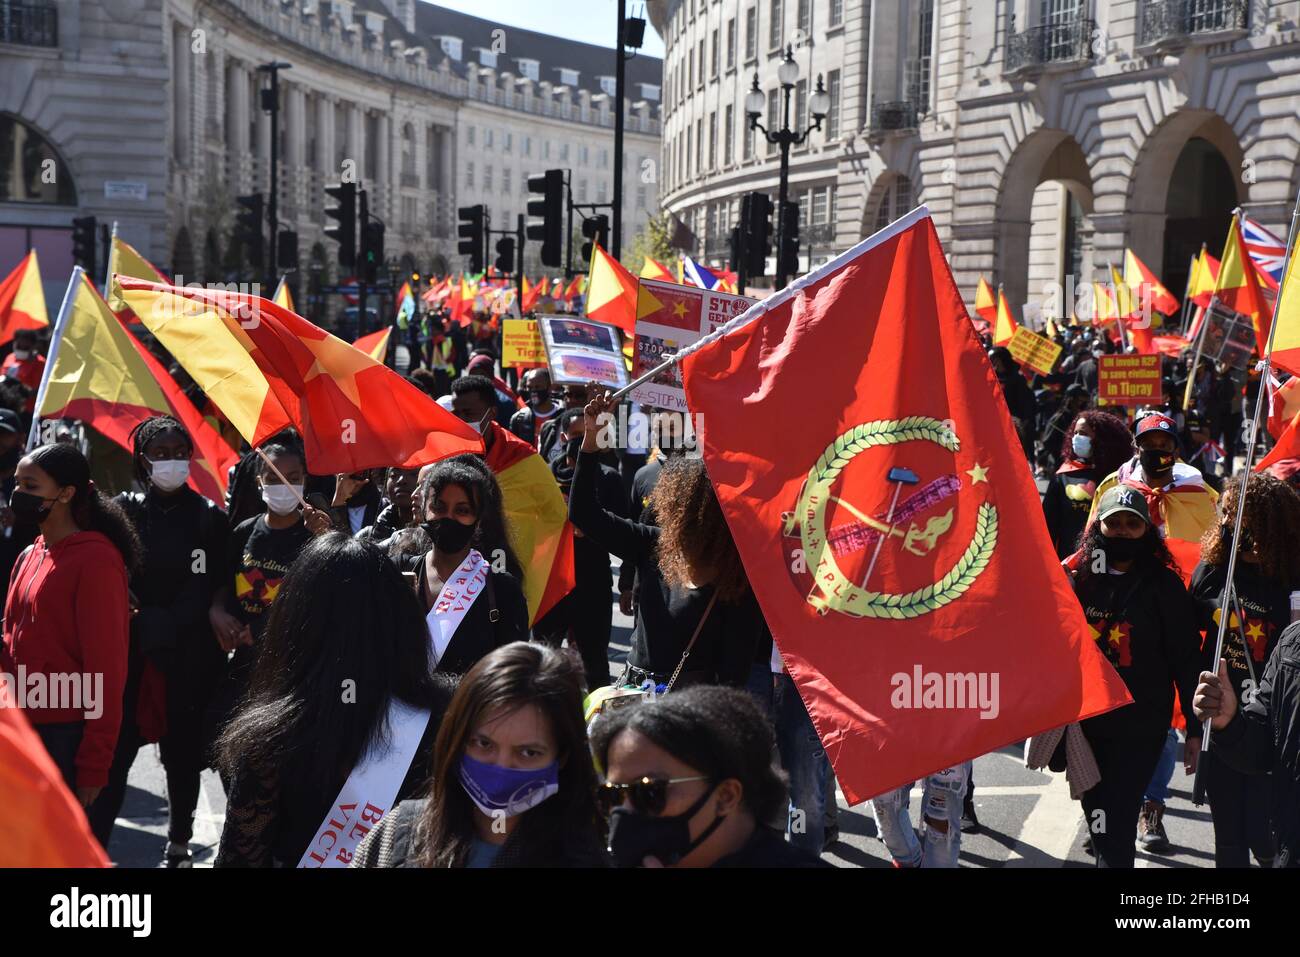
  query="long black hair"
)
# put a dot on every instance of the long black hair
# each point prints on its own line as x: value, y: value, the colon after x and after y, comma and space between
x: 719, y: 732
x: 146, y: 432
x: 91, y: 510
x: 473, y: 475
x: 344, y: 619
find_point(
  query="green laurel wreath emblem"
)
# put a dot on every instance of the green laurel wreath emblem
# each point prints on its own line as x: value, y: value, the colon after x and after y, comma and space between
x: 840, y: 594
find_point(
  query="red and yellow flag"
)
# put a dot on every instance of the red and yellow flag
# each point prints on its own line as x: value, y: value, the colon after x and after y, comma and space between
x: 986, y: 304
x: 124, y: 260
x: 611, y: 292
x: 536, y: 519
x: 1145, y: 287
x: 1204, y: 277
x: 1006, y: 325
x: 1238, y: 287
x: 1286, y: 340
x: 374, y: 344
x: 894, y: 540
x: 267, y: 368
x: 654, y: 269
x: 22, y: 300
x: 43, y: 824
x: 98, y: 372
x: 283, y: 297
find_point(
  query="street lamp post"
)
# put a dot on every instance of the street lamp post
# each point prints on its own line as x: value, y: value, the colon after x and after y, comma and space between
x: 819, y: 105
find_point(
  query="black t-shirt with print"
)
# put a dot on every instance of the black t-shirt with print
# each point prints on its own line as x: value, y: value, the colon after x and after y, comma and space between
x: 257, y: 560
x: 1266, y: 607
x: 1144, y: 622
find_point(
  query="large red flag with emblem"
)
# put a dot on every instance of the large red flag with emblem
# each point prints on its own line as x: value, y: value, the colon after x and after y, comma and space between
x: 891, y: 529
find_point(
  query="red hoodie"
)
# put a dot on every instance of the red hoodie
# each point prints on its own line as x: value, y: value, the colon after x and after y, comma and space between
x: 67, y: 612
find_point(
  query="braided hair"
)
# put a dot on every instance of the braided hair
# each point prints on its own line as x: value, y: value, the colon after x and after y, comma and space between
x: 146, y: 432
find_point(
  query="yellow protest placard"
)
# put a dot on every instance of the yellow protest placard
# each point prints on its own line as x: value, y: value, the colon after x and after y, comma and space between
x: 521, y: 344
x: 1030, y: 349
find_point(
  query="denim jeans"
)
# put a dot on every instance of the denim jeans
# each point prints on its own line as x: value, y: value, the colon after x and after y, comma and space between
x: 941, y: 801
x: 1158, y: 788
x: 802, y: 757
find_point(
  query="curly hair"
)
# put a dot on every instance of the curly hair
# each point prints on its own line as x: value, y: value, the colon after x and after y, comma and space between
x: 694, y: 541
x: 1091, y: 542
x: 1112, y: 443
x: 1272, y: 521
x: 148, y: 430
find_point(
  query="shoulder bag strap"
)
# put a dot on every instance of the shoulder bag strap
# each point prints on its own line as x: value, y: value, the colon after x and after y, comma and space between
x: 691, y: 644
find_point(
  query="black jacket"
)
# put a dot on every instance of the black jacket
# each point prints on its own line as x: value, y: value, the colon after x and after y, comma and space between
x: 1066, y: 504
x: 769, y: 848
x: 1265, y: 736
x: 667, y: 615
x: 385, y: 526
x: 368, y: 497
x: 478, y: 633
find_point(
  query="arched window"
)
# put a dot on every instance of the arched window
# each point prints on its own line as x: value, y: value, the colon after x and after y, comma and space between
x: 896, y: 200
x: 30, y: 170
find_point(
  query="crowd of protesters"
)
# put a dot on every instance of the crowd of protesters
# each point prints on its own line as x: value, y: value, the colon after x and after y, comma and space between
x: 225, y: 634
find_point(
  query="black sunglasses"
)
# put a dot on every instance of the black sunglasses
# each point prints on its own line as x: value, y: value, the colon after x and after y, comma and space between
x: 649, y: 795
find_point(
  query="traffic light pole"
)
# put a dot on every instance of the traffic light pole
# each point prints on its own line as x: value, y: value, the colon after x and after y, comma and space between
x: 620, y: 81
x: 271, y: 104
x: 363, y: 318
x: 519, y: 261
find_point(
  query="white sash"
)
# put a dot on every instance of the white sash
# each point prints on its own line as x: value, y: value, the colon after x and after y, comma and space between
x: 458, y: 594
x: 368, y: 791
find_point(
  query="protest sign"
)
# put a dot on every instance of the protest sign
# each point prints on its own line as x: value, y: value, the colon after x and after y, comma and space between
x: 521, y: 344
x: 1129, y: 380
x: 579, y: 350
x: 1037, y: 352
x: 669, y: 317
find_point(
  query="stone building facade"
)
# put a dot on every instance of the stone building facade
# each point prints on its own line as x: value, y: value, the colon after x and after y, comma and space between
x: 1044, y: 135
x: 150, y: 111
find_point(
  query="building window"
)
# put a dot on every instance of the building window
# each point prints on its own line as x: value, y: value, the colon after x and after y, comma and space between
x: 583, y: 155
x: 801, y: 105
x: 688, y: 151
x: 640, y: 197
x: 805, y: 16
x: 699, y: 146
x: 564, y: 152
x: 690, y: 68
x: 487, y: 137
x: 701, y: 62
x: 728, y: 135
x: 920, y: 81
x: 505, y: 181
x: 509, y: 143
x: 713, y: 141
x: 751, y: 33
x: 713, y: 55
x: 469, y: 134
x: 836, y: 16
x: 582, y: 190
x: 896, y: 200
x: 774, y: 24
x: 24, y: 160
x: 528, y: 146
x: 600, y: 191
x: 487, y: 178
x: 546, y: 149
x: 731, y: 43
x: 832, y: 121
x: 604, y: 158
x: 469, y: 174
x: 749, y: 140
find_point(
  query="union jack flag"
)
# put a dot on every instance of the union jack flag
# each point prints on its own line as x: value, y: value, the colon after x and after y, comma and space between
x: 1266, y: 249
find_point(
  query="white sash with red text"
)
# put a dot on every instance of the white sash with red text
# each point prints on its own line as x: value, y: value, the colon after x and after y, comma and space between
x: 458, y: 594
x: 368, y: 791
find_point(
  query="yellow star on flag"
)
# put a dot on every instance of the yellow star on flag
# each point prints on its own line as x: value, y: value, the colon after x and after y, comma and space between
x: 978, y: 474
x: 1116, y: 635
x: 339, y: 361
x: 679, y: 309
x: 1255, y: 630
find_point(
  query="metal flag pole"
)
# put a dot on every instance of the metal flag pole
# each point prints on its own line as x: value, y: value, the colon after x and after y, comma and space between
x: 1265, y: 367
x: 108, y: 260
x: 56, y: 337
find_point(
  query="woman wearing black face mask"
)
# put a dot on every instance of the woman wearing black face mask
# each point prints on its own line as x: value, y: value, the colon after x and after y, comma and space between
x: 1268, y: 567
x: 472, y: 607
x: 689, y: 779
x: 174, y: 664
x: 1145, y: 624
x: 67, y: 611
x: 1096, y: 444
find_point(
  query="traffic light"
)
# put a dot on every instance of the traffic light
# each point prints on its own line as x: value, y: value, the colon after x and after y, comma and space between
x: 550, y: 210
x: 789, y: 263
x: 248, y: 228
x: 286, y: 252
x: 471, y: 233
x: 756, y: 224
x: 505, y: 261
x: 596, y: 231
x: 372, y: 251
x: 83, y: 243
x: 736, y: 247
x: 345, y: 233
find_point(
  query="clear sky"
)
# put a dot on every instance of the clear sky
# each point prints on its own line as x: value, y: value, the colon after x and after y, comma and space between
x: 589, y: 21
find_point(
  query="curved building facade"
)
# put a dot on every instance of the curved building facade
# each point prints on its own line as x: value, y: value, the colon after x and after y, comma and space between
x: 1044, y: 135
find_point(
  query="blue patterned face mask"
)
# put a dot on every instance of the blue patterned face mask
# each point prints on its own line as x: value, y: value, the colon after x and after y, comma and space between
x: 497, y: 790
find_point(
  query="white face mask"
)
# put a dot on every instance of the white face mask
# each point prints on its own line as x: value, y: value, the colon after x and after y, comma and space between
x: 1081, y: 445
x: 22, y: 354
x: 281, y: 499
x: 169, y: 474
